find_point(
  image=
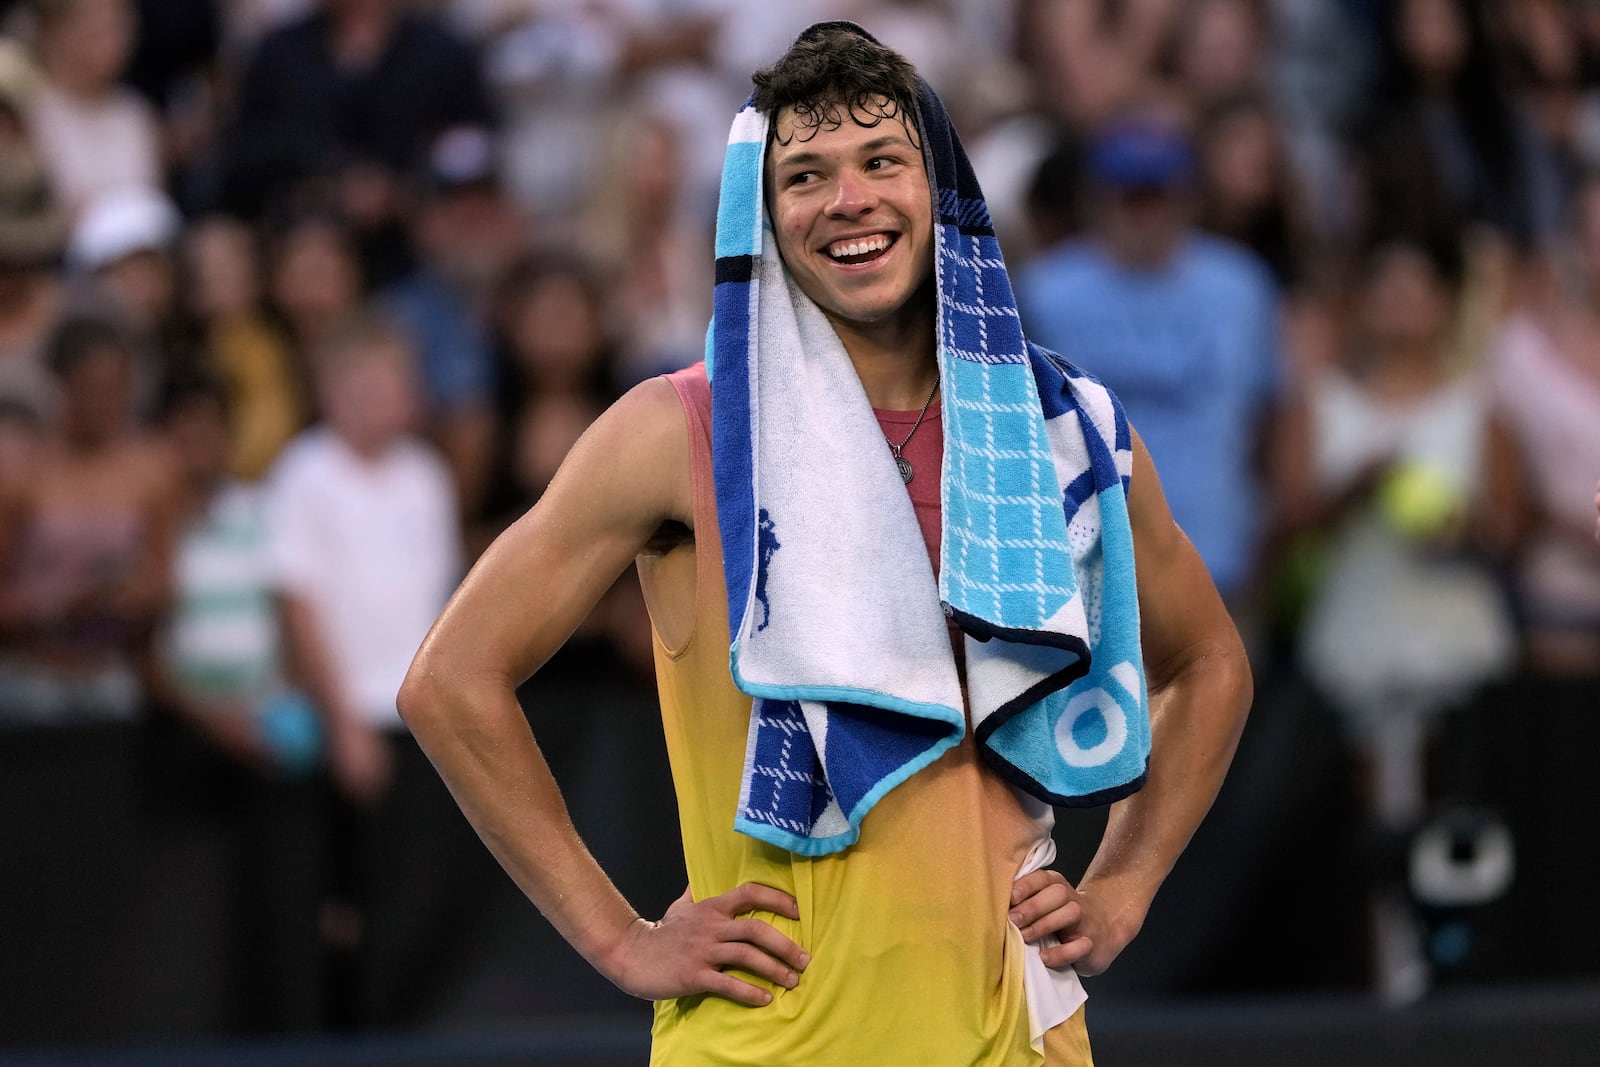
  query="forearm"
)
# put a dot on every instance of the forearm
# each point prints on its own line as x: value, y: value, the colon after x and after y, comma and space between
x: 479, y: 741
x: 1196, y: 718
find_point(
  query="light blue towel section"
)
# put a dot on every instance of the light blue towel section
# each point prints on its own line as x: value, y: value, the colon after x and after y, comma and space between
x: 838, y: 624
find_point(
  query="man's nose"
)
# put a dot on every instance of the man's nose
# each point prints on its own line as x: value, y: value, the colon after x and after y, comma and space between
x: 852, y: 195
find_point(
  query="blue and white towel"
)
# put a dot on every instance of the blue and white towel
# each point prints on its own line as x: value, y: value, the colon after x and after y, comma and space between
x: 838, y: 625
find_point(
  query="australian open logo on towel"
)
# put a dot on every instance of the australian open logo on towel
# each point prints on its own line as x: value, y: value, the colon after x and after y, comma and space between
x: 1093, y: 728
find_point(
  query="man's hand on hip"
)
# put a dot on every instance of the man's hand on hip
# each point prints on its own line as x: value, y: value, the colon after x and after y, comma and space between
x: 1044, y: 903
x: 690, y: 948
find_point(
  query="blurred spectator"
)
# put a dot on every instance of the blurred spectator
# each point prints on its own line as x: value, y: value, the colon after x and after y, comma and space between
x: 226, y: 667
x: 350, y: 98
x: 1445, y: 141
x: 1182, y: 326
x: 651, y: 251
x: 365, y: 534
x: 1548, y: 47
x: 223, y: 664
x: 1545, y: 378
x: 315, y: 282
x: 222, y: 288
x: 124, y: 263
x: 559, y: 70
x: 1219, y: 50
x: 1247, y: 193
x: 558, y: 366
x: 85, y: 544
x: 363, y: 525
x: 1412, y: 486
x: 1396, y: 459
x: 466, y: 234
x: 1093, y: 59
x: 552, y: 68
x: 1322, y: 66
x: 94, y: 134
x: 33, y: 234
x: 930, y: 33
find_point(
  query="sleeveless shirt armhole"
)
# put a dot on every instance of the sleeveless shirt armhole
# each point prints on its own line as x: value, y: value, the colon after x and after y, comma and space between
x: 694, y: 394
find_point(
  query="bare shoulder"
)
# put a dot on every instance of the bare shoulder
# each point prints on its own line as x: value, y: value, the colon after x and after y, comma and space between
x: 636, y: 453
x: 626, y: 477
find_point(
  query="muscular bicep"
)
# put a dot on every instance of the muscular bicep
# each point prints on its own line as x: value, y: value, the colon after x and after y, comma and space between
x: 626, y: 477
x: 1181, y: 615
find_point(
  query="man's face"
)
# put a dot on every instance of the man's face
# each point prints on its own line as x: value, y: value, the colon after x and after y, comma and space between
x: 853, y: 217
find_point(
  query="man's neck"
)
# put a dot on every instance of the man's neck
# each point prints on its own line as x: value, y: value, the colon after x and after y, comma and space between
x: 894, y: 359
x: 899, y: 381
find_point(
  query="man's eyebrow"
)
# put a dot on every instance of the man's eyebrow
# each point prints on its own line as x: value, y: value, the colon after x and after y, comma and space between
x: 877, y: 144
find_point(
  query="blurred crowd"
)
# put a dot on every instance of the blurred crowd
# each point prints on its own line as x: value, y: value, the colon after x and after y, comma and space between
x: 303, y: 301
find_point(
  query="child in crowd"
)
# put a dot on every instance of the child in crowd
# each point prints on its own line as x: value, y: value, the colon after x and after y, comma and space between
x: 367, y: 547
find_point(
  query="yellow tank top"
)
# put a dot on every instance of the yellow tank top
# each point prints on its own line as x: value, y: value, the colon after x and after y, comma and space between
x: 913, y: 959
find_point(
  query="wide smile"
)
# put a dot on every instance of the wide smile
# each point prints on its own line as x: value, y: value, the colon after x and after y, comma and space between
x: 862, y: 250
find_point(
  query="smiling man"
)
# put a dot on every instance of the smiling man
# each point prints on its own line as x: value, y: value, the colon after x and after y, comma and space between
x: 889, y: 553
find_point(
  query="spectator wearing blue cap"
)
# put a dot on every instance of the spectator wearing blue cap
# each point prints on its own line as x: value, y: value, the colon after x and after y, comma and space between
x: 1181, y: 325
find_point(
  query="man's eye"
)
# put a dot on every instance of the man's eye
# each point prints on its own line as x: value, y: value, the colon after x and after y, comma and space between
x: 800, y: 177
x: 879, y: 162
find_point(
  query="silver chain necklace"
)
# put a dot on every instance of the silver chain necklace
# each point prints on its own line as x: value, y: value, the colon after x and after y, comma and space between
x: 907, y: 472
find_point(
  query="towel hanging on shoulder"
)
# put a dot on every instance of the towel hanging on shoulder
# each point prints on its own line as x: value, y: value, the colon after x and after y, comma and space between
x: 838, y: 624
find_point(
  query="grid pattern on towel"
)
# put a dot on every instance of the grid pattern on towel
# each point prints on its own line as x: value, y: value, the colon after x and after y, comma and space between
x: 1003, y: 516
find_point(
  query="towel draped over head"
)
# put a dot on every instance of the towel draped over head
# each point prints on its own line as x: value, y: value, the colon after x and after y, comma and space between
x: 838, y: 623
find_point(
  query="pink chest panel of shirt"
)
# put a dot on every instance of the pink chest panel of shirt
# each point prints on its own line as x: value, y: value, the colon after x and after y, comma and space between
x: 925, y: 452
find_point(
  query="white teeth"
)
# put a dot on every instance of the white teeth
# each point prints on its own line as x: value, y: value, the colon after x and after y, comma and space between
x: 859, y: 247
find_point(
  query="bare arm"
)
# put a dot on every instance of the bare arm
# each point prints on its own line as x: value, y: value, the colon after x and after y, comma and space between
x: 1200, y: 691
x: 625, y: 477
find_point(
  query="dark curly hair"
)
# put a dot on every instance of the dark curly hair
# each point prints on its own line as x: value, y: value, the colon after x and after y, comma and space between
x: 837, y: 71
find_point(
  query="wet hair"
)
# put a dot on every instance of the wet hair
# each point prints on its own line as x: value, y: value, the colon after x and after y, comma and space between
x: 77, y: 338
x: 837, y: 72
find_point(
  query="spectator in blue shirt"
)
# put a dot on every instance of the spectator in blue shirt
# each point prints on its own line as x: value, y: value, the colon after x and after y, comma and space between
x: 1182, y: 326
x: 466, y: 234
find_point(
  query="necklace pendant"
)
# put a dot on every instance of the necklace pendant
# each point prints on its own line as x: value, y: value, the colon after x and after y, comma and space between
x: 906, y: 470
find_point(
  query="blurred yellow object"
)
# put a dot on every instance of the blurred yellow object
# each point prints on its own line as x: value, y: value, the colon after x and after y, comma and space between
x: 1420, y: 499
